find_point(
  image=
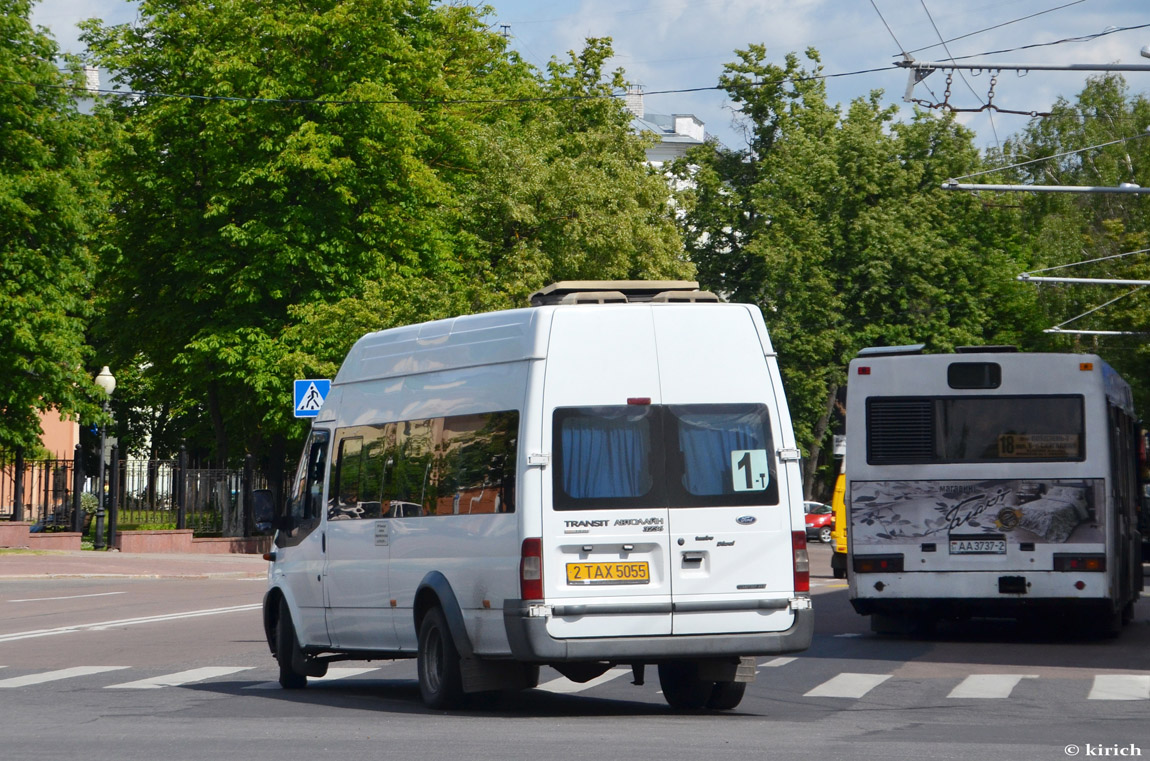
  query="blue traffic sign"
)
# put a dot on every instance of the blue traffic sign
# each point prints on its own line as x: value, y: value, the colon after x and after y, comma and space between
x: 309, y: 396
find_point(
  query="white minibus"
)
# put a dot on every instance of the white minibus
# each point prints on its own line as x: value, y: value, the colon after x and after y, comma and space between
x: 991, y: 483
x: 606, y: 478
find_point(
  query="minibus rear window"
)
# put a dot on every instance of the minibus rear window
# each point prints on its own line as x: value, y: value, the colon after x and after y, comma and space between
x: 663, y: 456
x: 607, y: 455
x: 721, y: 455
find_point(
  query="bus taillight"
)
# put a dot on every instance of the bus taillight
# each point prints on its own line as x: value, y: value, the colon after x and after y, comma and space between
x: 1065, y: 562
x: 878, y: 563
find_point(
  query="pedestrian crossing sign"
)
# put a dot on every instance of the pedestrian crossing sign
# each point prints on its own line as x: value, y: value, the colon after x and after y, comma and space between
x: 309, y: 396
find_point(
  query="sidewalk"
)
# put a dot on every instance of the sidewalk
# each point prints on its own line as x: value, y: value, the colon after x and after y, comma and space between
x: 15, y: 564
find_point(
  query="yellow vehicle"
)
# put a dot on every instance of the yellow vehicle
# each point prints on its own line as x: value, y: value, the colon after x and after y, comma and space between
x: 839, y: 534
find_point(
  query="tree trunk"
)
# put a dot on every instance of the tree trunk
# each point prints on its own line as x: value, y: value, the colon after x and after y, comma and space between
x: 218, y: 425
x: 820, y: 431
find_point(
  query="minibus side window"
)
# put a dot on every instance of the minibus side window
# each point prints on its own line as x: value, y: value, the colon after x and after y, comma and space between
x: 305, y: 501
x: 475, y: 467
x: 351, y: 496
x: 407, y: 488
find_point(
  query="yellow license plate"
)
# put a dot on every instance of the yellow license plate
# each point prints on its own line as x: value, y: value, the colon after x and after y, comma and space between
x: 608, y: 573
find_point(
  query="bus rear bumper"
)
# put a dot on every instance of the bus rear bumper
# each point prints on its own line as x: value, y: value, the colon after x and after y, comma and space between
x: 1005, y: 607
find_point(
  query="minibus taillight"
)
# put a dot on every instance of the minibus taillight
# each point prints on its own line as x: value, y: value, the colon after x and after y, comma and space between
x: 531, y: 569
x: 639, y: 400
x: 802, y: 561
x: 1065, y: 562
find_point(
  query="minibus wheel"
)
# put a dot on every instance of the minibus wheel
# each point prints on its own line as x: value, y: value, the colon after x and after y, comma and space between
x: 440, y: 680
x: 681, y: 685
x: 726, y: 695
x: 286, y: 645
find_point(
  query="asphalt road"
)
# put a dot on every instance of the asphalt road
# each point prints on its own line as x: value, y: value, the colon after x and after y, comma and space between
x: 146, y: 668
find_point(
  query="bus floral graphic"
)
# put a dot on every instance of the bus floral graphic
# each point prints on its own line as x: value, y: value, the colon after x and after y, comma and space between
x: 1020, y: 510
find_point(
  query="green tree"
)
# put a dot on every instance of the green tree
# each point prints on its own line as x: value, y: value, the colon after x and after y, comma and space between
x: 46, y: 199
x: 1098, y: 139
x: 836, y: 226
x: 402, y: 166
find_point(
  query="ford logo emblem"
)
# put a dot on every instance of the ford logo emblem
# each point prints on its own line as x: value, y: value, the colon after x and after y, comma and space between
x: 745, y: 520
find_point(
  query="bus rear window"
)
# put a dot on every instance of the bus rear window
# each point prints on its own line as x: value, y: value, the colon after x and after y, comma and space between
x: 910, y: 430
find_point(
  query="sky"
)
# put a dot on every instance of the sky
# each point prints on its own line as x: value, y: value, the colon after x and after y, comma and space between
x: 682, y: 46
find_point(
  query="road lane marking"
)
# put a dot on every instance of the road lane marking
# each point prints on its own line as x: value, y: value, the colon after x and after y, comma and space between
x: 69, y: 597
x: 333, y: 675
x: 179, y: 678
x: 1120, y: 687
x: 102, y: 625
x: 847, y: 685
x: 776, y: 662
x: 54, y: 676
x: 991, y: 686
x: 565, y: 686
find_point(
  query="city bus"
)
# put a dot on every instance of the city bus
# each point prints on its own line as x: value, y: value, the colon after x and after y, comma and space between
x: 991, y: 483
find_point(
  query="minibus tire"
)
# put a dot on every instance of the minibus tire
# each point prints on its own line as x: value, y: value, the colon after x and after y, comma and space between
x: 726, y: 695
x: 286, y: 644
x: 440, y: 678
x: 682, y: 687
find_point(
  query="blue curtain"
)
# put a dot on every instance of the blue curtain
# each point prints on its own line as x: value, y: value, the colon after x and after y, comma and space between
x: 707, y: 441
x: 606, y: 457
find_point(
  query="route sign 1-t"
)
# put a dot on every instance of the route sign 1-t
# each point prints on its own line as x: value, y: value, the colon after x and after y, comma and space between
x: 309, y: 396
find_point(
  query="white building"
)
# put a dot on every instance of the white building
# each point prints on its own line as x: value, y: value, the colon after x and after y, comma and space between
x: 676, y: 132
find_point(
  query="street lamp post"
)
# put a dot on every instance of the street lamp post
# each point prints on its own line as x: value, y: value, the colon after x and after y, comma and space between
x: 106, y: 381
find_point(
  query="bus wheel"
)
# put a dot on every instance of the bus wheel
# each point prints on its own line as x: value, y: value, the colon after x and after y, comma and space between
x: 440, y: 679
x: 1109, y: 623
x: 682, y: 687
x: 726, y: 695
x: 286, y: 647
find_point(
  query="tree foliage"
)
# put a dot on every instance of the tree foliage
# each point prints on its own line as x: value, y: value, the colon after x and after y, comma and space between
x: 398, y: 166
x: 1099, y: 140
x: 835, y: 225
x: 47, y: 195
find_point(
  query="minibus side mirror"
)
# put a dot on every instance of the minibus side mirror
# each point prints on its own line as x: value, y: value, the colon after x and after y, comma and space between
x: 263, y: 511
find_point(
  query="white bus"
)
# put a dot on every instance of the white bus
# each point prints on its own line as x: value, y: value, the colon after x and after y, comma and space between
x: 607, y: 478
x: 991, y: 483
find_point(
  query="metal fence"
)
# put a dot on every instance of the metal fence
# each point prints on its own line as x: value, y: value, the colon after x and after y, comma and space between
x: 47, y: 492
x: 56, y: 495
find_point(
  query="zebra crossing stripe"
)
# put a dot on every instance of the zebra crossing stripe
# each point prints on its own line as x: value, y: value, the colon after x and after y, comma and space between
x: 989, y: 686
x: 179, y: 678
x: 55, y: 676
x: 1120, y: 687
x: 565, y: 686
x: 776, y: 662
x: 333, y: 675
x: 847, y: 685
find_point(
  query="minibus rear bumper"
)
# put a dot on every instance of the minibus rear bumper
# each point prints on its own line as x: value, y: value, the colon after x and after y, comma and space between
x: 530, y: 642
